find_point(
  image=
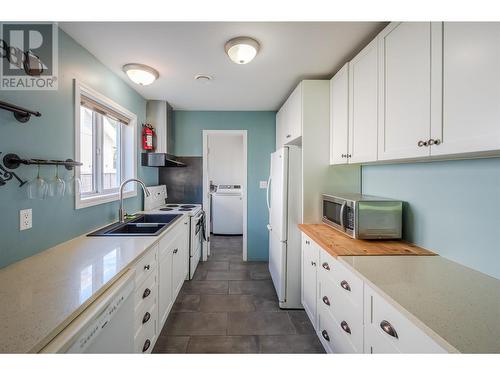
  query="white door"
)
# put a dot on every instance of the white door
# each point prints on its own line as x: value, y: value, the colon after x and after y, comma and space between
x: 293, y: 115
x: 363, y: 105
x: 471, y: 92
x: 165, y: 296
x: 409, y: 89
x: 339, y: 119
x: 310, y: 260
x: 179, y: 263
x: 278, y: 221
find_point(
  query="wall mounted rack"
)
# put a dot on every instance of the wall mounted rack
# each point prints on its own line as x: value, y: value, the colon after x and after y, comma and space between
x: 21, y: 114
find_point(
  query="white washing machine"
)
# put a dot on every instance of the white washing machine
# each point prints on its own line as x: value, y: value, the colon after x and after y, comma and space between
x: 227, y: 210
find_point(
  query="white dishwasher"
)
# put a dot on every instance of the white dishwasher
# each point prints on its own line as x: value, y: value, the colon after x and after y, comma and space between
x: 106, y: 326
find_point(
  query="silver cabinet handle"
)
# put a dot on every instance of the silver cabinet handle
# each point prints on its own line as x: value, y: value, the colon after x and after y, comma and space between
x: 175, y: 251
x: 349, y: 155
x: 433, y: 142
x: 343, y: 155
x: 307, y: 242
x: 345, y: 326
x: 147, y: 267
x: 288, y: 135
x: 146, y: 318
x: 325, y: 335
x: 422, y: 143
x: 326, y: 266
x: 146, y: 346
x: 146, y: 293
x: 326, y: 301
x: 344, y: 284
x: 388, y: 328
x: 313, y: 263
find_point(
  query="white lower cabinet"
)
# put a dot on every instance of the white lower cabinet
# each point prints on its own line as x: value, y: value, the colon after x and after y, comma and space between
x: 351, y: 317
x: 388, y: 331
x: 309, y: 282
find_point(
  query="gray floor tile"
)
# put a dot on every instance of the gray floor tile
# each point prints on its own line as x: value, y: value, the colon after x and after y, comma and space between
x: 249, y: 265
x: 226, y: 257
x: 195, y: 324
x: 259, y: 323
x: 290, y: 344
x: 205, y: 287
x: 228, y: 275
x: 171, y: 344
x: 263, y: 303
x: 213, y: 266
x: 223, y: 344
x: 228, y: 303
x: 254, y: 287
x: 260, y: 274
x: 187, y: 303
x: 301, y: 322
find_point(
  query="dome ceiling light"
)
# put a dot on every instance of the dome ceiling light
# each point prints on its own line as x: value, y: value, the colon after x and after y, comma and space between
x: 242, y: 50
x: 141, y: 74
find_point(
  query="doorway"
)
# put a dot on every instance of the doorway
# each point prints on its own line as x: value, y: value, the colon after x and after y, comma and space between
x: 225, y: 171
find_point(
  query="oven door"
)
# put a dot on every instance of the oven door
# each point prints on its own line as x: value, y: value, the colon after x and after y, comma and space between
x: 195, y: 244
x: 339, y: 213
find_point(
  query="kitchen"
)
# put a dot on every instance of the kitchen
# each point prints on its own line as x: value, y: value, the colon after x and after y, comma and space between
x: 265, y: 201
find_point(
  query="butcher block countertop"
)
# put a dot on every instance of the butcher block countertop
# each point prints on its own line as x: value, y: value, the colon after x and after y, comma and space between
x: 339, y: 244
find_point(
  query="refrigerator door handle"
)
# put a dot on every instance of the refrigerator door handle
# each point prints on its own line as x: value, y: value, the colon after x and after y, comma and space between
x: 267, y: 193
x: 269, y: 227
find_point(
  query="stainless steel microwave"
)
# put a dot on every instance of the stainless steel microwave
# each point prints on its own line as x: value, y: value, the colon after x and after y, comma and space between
x: 364, y: 216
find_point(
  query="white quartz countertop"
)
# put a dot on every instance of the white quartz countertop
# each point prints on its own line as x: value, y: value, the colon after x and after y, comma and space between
x: 42, y: 294
x: 460, y: 305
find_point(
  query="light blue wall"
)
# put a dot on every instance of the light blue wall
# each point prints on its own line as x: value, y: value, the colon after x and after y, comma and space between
x: 453, y: 207
x: 188, y: 126
x: 52, y: 136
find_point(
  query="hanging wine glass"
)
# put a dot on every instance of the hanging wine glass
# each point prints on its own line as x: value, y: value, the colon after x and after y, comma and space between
x: 57, y: 185
x: 73, y: 184
x: 37, y: 188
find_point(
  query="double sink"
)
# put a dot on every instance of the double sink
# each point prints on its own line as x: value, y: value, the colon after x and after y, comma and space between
x: 142, y: 225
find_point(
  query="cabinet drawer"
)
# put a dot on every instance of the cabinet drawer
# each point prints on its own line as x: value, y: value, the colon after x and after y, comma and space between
x: 348, y: 317
x: 348, y: 288
x: 145, y: 317
x: 146, y: 265
x: 146, y: 293
x: 145, y: 336
x: 332, y: 336
x: 388, y: 330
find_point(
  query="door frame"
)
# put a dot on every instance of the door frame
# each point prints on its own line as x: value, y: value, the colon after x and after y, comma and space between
x: 206, y: 196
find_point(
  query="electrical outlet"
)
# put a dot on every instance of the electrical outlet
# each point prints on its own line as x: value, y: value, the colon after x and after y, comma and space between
x: 25, y: 219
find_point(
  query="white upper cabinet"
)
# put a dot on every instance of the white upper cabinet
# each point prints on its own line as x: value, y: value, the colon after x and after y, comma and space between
x: 471, y: 88
x: 289, y: 122
x: 363, y: 105
x: 339, y: 116
x: 410, y: 96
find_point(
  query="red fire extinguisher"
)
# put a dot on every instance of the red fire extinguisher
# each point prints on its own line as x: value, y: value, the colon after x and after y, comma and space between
x: 148, y: 135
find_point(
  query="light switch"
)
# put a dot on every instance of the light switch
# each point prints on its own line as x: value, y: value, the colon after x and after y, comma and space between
x: 25, y: 219
x: 263, y: 184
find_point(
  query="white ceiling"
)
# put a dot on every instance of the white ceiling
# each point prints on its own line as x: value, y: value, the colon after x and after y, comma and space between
x: 290, y: 52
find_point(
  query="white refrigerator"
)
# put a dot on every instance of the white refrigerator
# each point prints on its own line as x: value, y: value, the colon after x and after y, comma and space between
x: 284, y: 201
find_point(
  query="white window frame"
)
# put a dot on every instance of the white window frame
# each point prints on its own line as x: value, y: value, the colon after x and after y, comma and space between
x: 128, y: 146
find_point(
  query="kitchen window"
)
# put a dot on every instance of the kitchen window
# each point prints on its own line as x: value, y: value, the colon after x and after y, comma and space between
x: 105, y: 144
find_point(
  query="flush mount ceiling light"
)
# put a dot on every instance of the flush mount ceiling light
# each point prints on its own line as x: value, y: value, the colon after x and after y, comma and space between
x: 242, y: 50
x: 141, y: 74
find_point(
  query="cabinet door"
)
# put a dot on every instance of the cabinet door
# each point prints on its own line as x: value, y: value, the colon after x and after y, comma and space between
x: 165, y: 291
x: 471, y: 88
x: 294, y: 115
x: 339, y: 109
x: 310, y: 256
x: 179, y: 263
x: 363, y: 105
x: 410, y: 64
x: 280, y: 128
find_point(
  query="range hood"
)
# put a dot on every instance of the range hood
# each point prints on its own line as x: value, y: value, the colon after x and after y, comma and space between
x: 160, y: 114
x: 160, y: 159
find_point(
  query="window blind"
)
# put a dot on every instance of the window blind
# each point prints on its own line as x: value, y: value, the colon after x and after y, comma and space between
x: 102, y: 109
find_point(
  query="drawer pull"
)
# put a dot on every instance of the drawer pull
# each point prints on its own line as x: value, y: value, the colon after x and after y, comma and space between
x: 345, y: 327
x: 147, y: 267
x: 146, y: 293
x: 313, y: 263
x: 326, y: 301
x: 325, y: 335
x: 326, y: 266
x: 288, y: 135
x: 175, y: 251
x: 307, y: 242
x: 146, y: 318
x: 388, y: 328
x: 146, y: 346
x: 344, y: 284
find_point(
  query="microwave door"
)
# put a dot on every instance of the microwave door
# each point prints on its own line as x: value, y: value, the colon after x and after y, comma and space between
x: 334, y: 213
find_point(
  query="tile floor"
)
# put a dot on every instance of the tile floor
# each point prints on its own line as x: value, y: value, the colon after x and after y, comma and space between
x: 231, y: 307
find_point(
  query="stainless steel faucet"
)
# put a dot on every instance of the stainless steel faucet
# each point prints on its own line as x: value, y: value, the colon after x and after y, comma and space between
x: 121, y: 214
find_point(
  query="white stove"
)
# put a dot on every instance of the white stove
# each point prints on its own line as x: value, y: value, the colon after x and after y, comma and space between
x: 156, y: 204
